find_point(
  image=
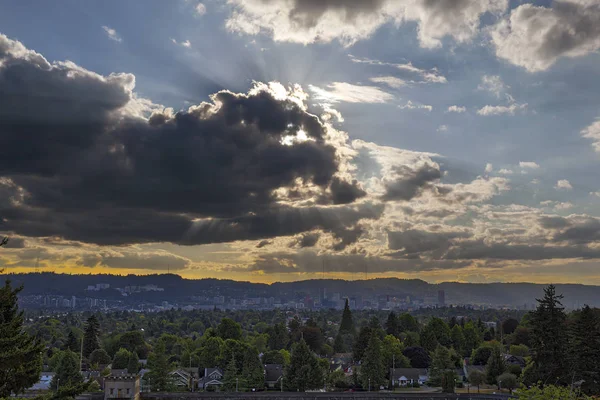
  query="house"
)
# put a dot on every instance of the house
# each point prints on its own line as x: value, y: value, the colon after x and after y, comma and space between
x: 182, y: 379
x: 515, y: 360
x: 126, y: 386
x: 44, y: 382
x: 212, y: 377
x: 408, y: 376
x: 273, y: 374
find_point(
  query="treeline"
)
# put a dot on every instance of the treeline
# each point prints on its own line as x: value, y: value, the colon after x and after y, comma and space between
x: 557, y: 348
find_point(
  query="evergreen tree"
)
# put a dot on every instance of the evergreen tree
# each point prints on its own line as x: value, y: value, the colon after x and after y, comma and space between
x: 495, y: 365
x: 440, y: 363
x: 585, y: 350
x: 458, y: 339
x: 338, y: 344
x: 361, y: 343
x: 549, y: 337
x: 253, y: 371
x: 392, y: 326
x: 304, y: 371
x: 20, y: 354
x: 472, y: 339
x: 133, y: 364
x: 347, y: 325
x: 159, y: 376
x: 278, y: 337
x: 121, y: 359
x: 72, y: 343
x: 428, y: 340
x: 67, y: 372
x: 372, y: 369
x: 90, y: 336
x: 231, y: 375
x: 448, y: 381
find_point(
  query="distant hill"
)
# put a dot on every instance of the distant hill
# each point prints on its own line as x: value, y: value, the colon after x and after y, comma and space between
x: 177, y: 288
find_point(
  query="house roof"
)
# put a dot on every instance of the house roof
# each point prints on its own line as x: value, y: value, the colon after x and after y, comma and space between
x: 409, y: 373
x: 273, y: 372
x: 209, y: 371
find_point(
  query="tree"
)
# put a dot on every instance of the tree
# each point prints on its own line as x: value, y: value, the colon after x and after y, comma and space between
x: 303, y: 372
x: 392, y: 326
x: 72, y: 343
x: 230, y: 375
x: 519, y: 350
x: 273, y: 357
x: 508, y: 381
x: 472, y: 338
x: 361, y: 343
x: 372, y: 370
x: 441, y: 331
x: 278, y: 336
x: 448, y: 381
x: 549, y: 338
x: 550, y: 392
x: 253, y: 370
x: 418, y: 357
x: 440, y: 363
x: 391, y: 350
x: 477, y: 378
x: 428, y: 340
x: 509, y: 326
x: 67, y: 372
x: 90, y: 336
x: 159, y: 376
x: 133, y: 364
x: 121, y: 359
x: 339, y: 345
x: 347, y: 324
x: 522, y: 336
x: 313, y: 337
x: 20, y: 354
x: 100, y: 357
x: 481, y: 355
x: 585, y: 350
x: 407, y: 323
x: 229, y: 329
x: 211, y: 352
x: 495, y: 365
x: 458, y: 339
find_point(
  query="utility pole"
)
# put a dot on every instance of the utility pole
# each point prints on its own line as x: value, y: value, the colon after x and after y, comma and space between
x: 281, y: 383
x: 81, y: 355
x: 393, y: 370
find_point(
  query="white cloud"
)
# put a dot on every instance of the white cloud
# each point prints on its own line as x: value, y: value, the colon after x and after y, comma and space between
x: 112, y: 34
x: 185, y: 43
x: 500, y: 110
x: 414, y: 106
x: 442, y: 128
x: 349, y: 21
x: 200, y: 9
x: 427, y: 76
x: 563, y: 206
x: 593, y: 132
x: 536, y: 37
x: 345, y: 92
x: 391, y: 81
x: 493, y: 84
x: 505, y: 171
x: 563, y: 184
x: 529, y: 165
x: 489, y: 168
x: 597, y: 194
x: 457, y: 109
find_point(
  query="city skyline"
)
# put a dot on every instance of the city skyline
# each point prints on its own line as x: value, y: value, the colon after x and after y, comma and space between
x: 271, y: 140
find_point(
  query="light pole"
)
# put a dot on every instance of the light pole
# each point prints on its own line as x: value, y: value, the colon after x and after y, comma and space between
x: 57, y: 384
x: 236, y: 384
x: 500, y: 386
x: 369, y: 384
x: 281, y: 383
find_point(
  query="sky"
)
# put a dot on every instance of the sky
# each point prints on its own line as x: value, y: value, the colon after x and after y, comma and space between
x: 280, y: 140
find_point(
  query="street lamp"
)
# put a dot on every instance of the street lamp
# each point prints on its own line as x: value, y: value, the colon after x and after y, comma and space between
x: 369, y: 384
x: 236, y: 384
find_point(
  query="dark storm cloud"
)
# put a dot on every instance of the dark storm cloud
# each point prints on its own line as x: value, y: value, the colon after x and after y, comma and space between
x: 343, y: 192
x: 474, y: 250
x: 554, y: 222
x: 79, y: 163
x: 151, y: 261
x: 305, y: 240
x: 415, y: 241
x: 411, y: 182
x: 586, y: 231
x: 311, y: 262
